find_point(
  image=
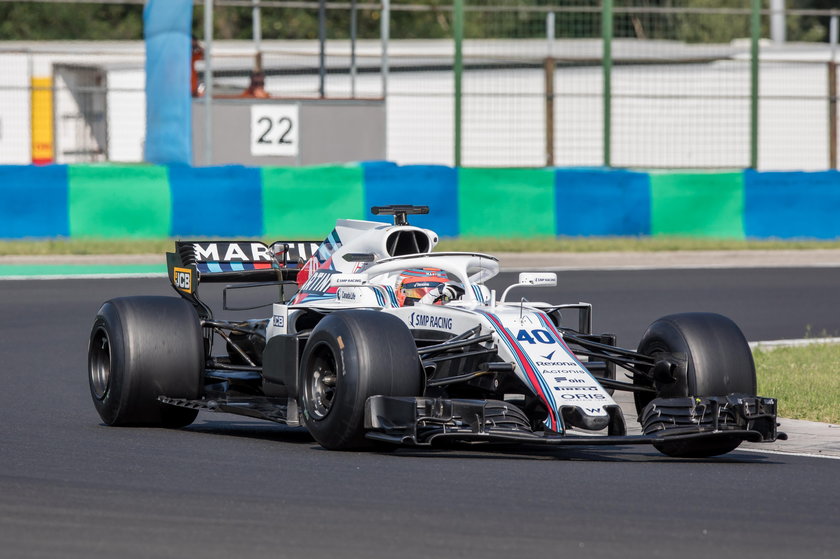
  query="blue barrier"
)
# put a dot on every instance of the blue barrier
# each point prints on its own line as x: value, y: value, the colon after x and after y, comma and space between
x: 216, y: 201
x: 602, y: 202
x: 431, y: 185
x: 33, y: 202
x: 792, y: 205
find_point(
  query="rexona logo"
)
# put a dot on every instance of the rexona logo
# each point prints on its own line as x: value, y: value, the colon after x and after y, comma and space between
x: 182, y: 279
x: 535, y: 336
x: 430, y: 321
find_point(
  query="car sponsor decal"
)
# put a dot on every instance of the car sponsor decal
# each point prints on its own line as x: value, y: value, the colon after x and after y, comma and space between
x: 546, y: 322
x: 217, y: 257
x: 182, y: 279
x: 317, y: 287
x: 231, y: 252
x: 538, y: 384
x: 593, y: 394
x: 430, y: 321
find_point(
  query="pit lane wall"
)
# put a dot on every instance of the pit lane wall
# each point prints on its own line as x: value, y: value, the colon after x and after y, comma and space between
x: 148, y: 201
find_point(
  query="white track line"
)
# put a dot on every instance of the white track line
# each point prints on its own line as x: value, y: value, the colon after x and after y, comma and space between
x: 783, y: 453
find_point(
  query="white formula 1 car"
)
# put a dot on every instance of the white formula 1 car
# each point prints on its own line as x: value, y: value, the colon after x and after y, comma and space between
x: 385, y: 342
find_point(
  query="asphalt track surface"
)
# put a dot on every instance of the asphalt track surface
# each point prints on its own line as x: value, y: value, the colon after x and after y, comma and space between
x: 228, y: 486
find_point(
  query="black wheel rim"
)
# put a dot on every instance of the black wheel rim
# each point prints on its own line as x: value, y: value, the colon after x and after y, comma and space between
x: 321, y: 382
x: 99, y: 364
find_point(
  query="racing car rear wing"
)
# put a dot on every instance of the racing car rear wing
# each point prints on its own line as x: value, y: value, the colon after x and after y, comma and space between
x: 235, y: 261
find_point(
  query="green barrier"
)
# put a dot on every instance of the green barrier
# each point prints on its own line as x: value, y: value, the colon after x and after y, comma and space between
x: 697, y: 204
x: 119, y: 201
x: 506, y: 202
x: 135, y: 201
x: 305, y: 202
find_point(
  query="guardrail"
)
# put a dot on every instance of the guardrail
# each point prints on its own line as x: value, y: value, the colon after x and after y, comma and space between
x: 146, y: 201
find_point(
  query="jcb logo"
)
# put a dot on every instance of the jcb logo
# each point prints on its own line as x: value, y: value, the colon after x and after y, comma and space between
x: 182, y: 279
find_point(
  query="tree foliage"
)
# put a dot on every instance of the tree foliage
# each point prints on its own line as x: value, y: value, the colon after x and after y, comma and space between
x: 43, y: 21
x: 40, y: 20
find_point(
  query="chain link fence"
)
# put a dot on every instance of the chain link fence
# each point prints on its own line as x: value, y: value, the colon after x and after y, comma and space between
x: 626, y: 83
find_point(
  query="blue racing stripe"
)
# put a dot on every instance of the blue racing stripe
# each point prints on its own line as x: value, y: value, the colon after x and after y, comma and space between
x: 553, y: 421
x: 392, y: 295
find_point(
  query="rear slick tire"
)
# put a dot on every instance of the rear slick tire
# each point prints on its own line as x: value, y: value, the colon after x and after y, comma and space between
x: 710, y: 357
x: 350, y: 356
x: 141, y: 348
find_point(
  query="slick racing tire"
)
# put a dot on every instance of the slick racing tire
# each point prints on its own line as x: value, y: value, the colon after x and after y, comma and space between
x: 350, y: 356
x: 705, y: 354
x: 141, y: 348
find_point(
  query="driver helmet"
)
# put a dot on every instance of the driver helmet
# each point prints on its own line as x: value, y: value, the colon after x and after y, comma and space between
x: 413, y: 284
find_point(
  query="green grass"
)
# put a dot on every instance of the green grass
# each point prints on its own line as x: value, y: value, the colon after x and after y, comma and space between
x: 805, y: 380
x: 85, y: 246
x: 491, y: 245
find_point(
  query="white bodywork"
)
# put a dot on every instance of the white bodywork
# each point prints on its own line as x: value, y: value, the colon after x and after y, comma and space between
x: 352, y: 269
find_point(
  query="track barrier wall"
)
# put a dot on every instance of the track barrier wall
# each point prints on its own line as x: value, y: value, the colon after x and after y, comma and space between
x: 152, y: 201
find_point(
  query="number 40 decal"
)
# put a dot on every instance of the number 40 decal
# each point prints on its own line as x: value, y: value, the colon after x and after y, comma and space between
x: 274, y: 130
x: 535, y: 336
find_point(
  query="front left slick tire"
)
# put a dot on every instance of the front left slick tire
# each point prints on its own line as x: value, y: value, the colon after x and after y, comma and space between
x: 141, y: 348
x: 350, y: 356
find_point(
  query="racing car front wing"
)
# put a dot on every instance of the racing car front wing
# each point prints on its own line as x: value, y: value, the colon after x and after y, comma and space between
x: 421, y: 421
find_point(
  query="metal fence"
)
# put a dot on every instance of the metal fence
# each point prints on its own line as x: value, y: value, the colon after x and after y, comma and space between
x: 626, y: 83
x: 634, y: 83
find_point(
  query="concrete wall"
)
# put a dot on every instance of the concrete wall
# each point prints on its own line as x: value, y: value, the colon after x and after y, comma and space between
x: 313, y: 131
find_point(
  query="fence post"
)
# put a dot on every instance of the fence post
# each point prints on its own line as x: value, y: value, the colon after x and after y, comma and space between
x: 385, y: 33
x: 832, y: 114
x: 353, y: 27
x: 607, y: 37
x: 458, y: 26
x: 832, y: 94
x: 549, y: 91
x: 208, y: 82
x: 322, y: 47
x: 549, y: 111
x: 755, y: 35
x: 256, y: 26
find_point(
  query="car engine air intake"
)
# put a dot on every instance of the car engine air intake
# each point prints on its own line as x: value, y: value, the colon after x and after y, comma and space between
x: 411, y: 241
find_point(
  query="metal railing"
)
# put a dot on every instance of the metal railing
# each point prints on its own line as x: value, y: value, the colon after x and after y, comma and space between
x: 491, y: 82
